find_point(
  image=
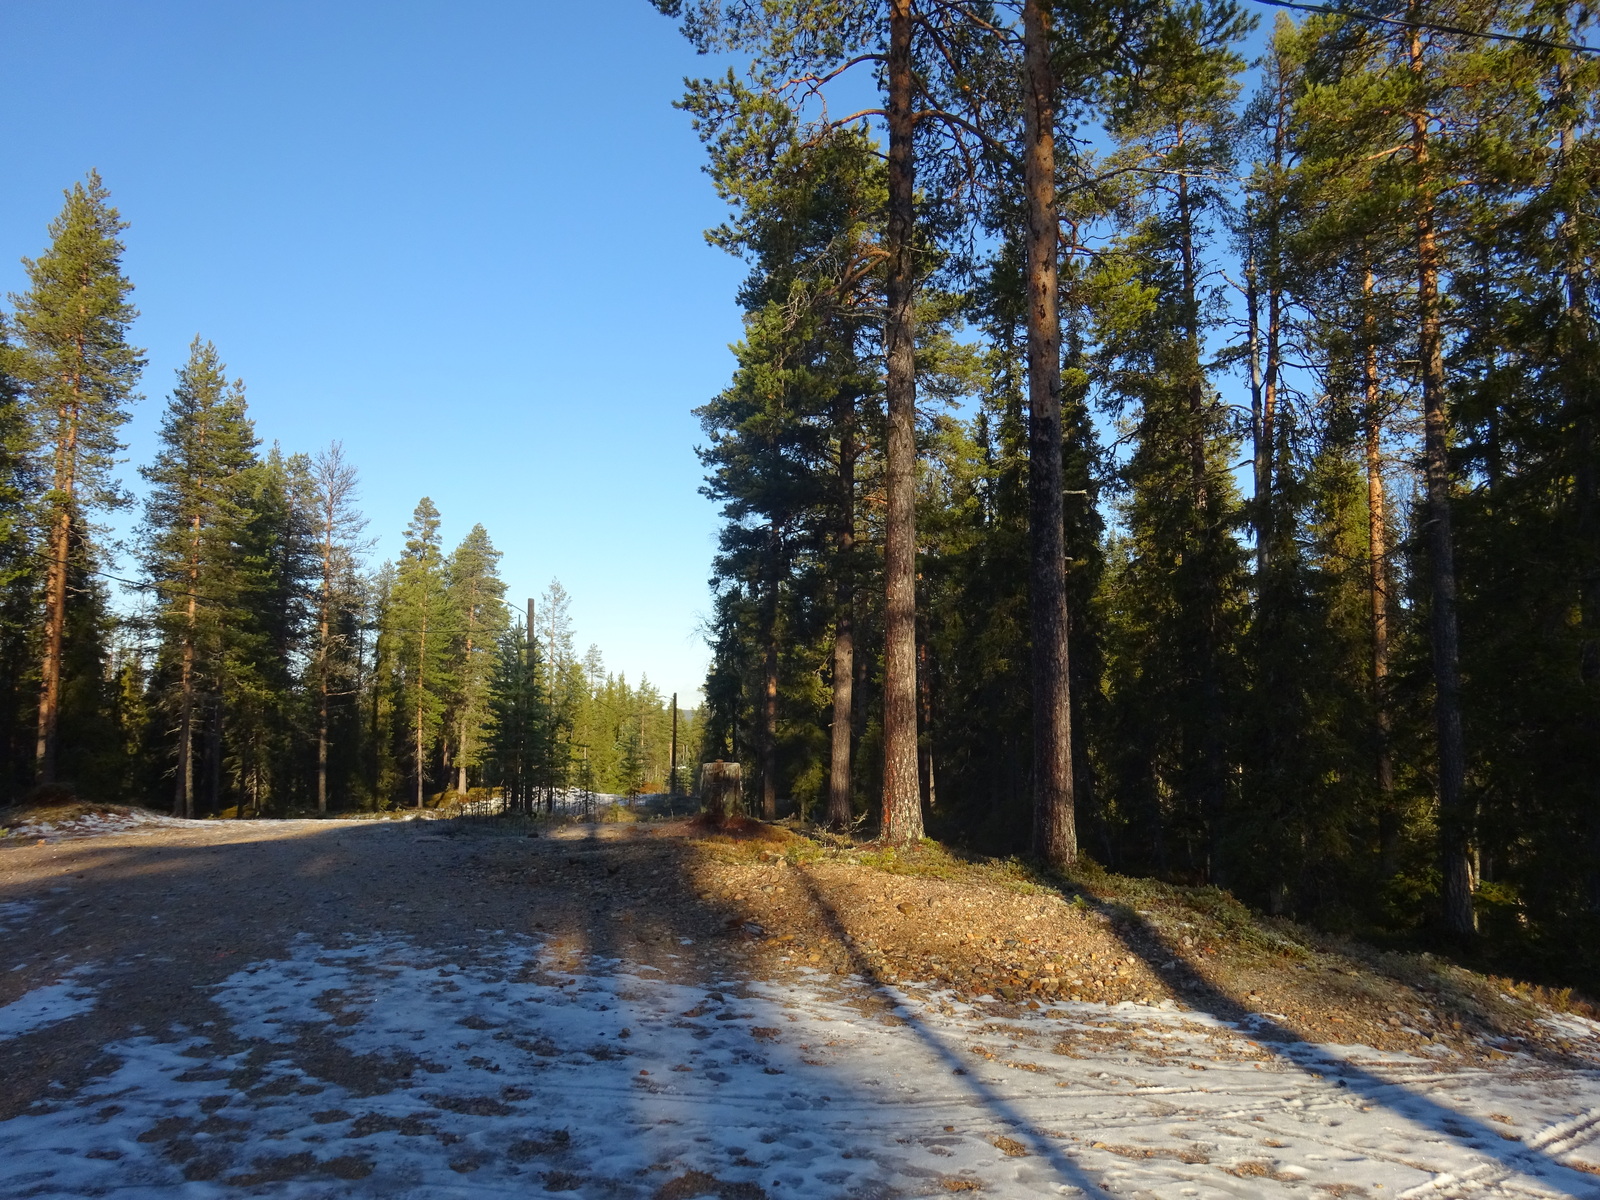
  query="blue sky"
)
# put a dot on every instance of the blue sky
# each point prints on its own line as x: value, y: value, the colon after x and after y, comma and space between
x: 463, y: 238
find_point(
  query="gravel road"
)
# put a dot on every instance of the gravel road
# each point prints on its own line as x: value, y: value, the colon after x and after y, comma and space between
x: 363, y: 1008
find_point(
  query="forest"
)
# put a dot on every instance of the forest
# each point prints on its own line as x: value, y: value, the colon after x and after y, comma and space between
x: 261, y: 668
x: 1165, y: 438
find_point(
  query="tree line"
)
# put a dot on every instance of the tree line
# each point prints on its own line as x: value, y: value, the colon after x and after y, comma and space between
x: 1173, y: 439
x: 260, y: 667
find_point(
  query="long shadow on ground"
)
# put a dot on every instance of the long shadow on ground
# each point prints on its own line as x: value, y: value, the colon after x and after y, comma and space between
x: 1148, y: 943
x: 242, y: 975
x: 992, y: 1102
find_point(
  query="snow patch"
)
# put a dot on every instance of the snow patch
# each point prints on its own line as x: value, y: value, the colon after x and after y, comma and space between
x: 47, y: 1005
x: 97, y: 823
x: 379, y: 1066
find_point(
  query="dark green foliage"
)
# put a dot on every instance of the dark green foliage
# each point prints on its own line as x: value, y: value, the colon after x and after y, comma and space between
x: 521, y: 750
x: 478, y: 617
x: 1243, y: 295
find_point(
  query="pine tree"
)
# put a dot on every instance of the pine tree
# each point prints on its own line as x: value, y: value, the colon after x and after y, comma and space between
x: 821, y: 40
x: 1055, y: 836
x: 72, y: 324
x: 784, y: 436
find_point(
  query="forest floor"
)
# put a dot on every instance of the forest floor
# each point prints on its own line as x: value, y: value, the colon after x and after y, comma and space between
x: 656, y: 1010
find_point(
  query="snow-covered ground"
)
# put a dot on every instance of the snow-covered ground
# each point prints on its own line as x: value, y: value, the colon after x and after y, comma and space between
x: 379, y: 1067
x: 44, y: 1006
x: 122, y: 821
x: 97, y: 823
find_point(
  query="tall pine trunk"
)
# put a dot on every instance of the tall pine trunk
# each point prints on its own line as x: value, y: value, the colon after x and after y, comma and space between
x: 1455, y: 826
x: 60, y: 546
x: 214, y: 763
x: 1266, y: 451
x: 840, y: 806
x: 183, y: 801
x: 1260, y: 448
x: 902, y: 807
x: 769, y: 685
x: 1263, y: 411
x: 1378, y: 589
x: 1055, y: 838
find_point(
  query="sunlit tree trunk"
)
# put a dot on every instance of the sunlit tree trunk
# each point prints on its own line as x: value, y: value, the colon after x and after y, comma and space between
x: 902, y: 806
x: 1055, y: 837
x: 55, y: 590
x: 840, y: 806
x: 1378, y: 587
x: 183, y: 802
x: 769, y: 684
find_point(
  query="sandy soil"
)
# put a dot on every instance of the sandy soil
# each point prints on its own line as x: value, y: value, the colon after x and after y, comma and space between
x: 331, y: 1008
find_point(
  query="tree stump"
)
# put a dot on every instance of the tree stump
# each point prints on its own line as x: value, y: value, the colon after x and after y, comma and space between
x: 722, y: 790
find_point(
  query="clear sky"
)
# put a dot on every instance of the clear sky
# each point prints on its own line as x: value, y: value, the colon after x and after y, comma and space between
x: 464, y: 238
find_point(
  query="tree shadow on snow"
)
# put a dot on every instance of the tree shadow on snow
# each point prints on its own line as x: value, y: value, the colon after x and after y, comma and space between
x: 1159, y: 953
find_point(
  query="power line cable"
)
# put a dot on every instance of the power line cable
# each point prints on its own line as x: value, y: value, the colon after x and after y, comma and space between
x: 1524, y: 39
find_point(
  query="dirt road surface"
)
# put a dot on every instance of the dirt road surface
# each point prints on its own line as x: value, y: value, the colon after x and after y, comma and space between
x: 403, y: 1009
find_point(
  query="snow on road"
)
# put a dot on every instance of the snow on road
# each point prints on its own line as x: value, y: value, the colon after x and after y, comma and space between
x: 44, y: 1006
x: 380, y: 1067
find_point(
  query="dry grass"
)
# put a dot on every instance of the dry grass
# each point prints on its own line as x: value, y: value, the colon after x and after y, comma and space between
x: 999, y: 927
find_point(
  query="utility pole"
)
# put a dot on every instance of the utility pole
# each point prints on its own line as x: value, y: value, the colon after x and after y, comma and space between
x: 672, y: 769
x: 529, y: 789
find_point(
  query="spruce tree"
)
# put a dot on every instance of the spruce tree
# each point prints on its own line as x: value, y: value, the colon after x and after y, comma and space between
x: 338, y: 529
x: 275, y: 581
x: 420, y: 616
x: 17, y: 477
x: 18, y: 488
x: 190, y: 546
x: 478, y: 617
x: 1178, y: 585
x: 520, y: 733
